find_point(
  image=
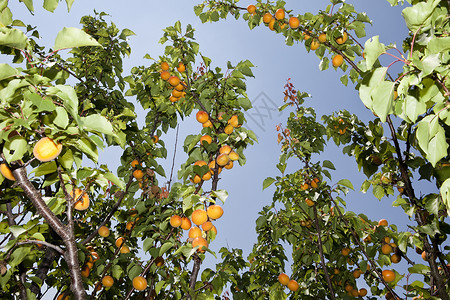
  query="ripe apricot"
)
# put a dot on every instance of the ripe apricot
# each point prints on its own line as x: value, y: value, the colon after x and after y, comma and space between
x: 222, y: 159
x: 139, y: 283
x: 206, y: 176
x: 173, y: 99
x: 309, y: 202
x: 233, y: 156
x: 206, y: 138
x: 124, y: 249
x: 283, y: 279
x: 61, y: 297
x: 85, y: 272
x: 181, y: 67
x: 322, y: 37
x: 196, y: 179
x: 368, y: 239
x: 81, y: 204
x: 306, y: 35
x: 202, y: 116
x: 207, y: 124
x: 159, y: 261
x: 272, y: 24
x: 304, y: 186
x: 119, y: 241
x: 342, y: 39
x: 383, y: 222
x: 395, y: 258
x: 6, y: 172
x: 228, y: 129
x: 225, y: 149
x: 207, y: 226
x: 233, y: 121
x: 424, y: 255
x: 107, y: 281
x: 200, y: 163
x: 214, y: 212
x: 251, y: 9
x: 165, y: 75
x: 138, y: 174
x: 388, y: 275
x: 194, y: 232
x: 164, y: 66
x: 134, y: 163
x: 103, y: 231
x: 179, y: 88
x: 315, y: 44
x: 201, y: 243
x: 294, y: 22
x: 129, y: 225
x: 214, y: 229
x: 174, y: 80
x: 356, y: 273
x: 175, y: 221
x: 386, y: 249
x: 345, y: 251
x: 176, y: 93
x: 46, y: 149
x: 229, y: 165
x: 212, y: 165
x: 185, y: 223
x: 293, y: 285
x: 199, y: 217
x: 354, y: 292
x: 337, y: 60
x: 348, y: 287
x: 267, y: 17
x: 362, y: 292
x: 314, y: 184
x: 280, y: 14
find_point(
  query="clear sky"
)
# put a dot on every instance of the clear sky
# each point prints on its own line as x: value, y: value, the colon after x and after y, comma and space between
x: 275, y: 62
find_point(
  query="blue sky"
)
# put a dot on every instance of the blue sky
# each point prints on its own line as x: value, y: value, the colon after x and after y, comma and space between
x: 275, y: 62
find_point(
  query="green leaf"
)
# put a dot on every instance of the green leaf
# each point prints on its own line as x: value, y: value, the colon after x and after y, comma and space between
x: 383, y: 99
x: 88, y: 148
x: 71, y: 37
x: 372, y: 50
x: 50, y: 5
x: 148, y: 244
x: 45, y: 168
x: 15, y: 148
x: 62, y: 118
x: 439, y: 45
x: 114, y: 179
x: 267, y: 182
x: 222, y: 195
x: 19, y: 255
x: 12, y: 37
x: 7, y: 71
x: 165, y: 247
x: 437, y: 147
x: 69, y: 97
x: 346, y: 183
x: 418, y: 15
x: 69, y: 4
x: 16, y: 230
x: 97, y: 123
x: 370, y: 82
x: 41, y: 103
x: 28, y: 4
x: 445, y: 194
x: 328, y: 164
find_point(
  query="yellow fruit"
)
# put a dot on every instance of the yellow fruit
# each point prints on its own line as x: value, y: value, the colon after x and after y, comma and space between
x: 214, y: 212
x: 174, y: 80
x: 130, y: 225
x: 304, y: 186
x: 294, y: 22
x: 46, y: 149
x: 222, y: 159
x: 194, y: 232
x: 229, y: 165
x: 342, y: 39
x: 233, y: 121
x: 103, y: 231
x: 206, y: 176
x: 207, y: 124
x: 388, y: 275
x: 309, y: 202
x: 280, y: 14
x: 283, y: 279
x: 164, y: 66
x: 228, y: 129
x: 322, y: 37
x: 205, y: 138
x: 107, y: 281
x: 134, y: 163
x: 225, y: 149
x: 202, y: 116
x: 6, y: 172
x: 176, y: 93
x: 139, y: 283
x: 181, y: 67
x: 124, y: 249
x: 251, y: 9
x: 233, y: 156
x: 386, y: 249
x: 207, y: 226
x: 267, y: 17
x: 81, y: 204
x: 214, y: 229
x: 293, y: 285
x: 85, y: 271
x: 185, y: 223
x: 119, y: 242
x: 201, y: 242
x: 337, y: 60
x: 138, y: 174
x: 199, y: 217
x: 315, y: 44
x: 175, y: 221
x: 383, y: 222
x: 165, y: 75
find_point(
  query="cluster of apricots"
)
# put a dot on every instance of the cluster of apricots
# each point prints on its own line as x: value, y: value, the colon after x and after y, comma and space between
x: 348, y: 286
x: 232, y: 123
x: 202, y: 218
x: 44, y: 150
x: 290, y: 283
x: 174, y: 81
x: 294, y: 23
x: 89, y: 264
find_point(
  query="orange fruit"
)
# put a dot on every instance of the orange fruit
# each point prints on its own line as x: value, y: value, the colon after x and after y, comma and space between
x: 173, y: 99
x: 294, y: 22
x: 185, y: 223
x: 164, y: 66
x: 202, y: 116
x: 196, y: 179
x: 139, y: 283
x: 176, y: 93
x: 388, y: 275
x: 212, y: 165
x: 424, y: 255
x: 306, y: 35
x: 107, y: 281
x: 383, y: 222
x: 6, y: 172
x: 309, y: 202
x: 89, y: 264
x: 214, y: 212
x: 345, y: 251
x: 354, y: 293
x: 251, y: 9
x: 175, y: 221
x: 103, y: 231
x: 233, y: 156
x: 222, y: 159
x: 194, y: 232
x: 179, y: 88
x: 165, y: 75
x: 199, y: 217
x: 267, y: 17
x: 314, y: 184
x: 81, y: 204
x: 272, y: 24
x: 225, y: 149
x: 233, y: 121
x: 134, y: 163
x: 368, y: 239
x: 159, y: 261
x: 293, y: 285
x: 174, y: 80
x: 342, y: 131
x: 279, y: 14
x: 181, y: 67
x: 304, y: 186
x: 119, y: 241
x: 85, y: 271
x: 206, y: 176
x: 315, y: 44
x: 362, y: 292
x: 228, y: 129
x: 283, y: 279
x: 395, y: 258
x: 206, y: 138
x: 207, y: 124
x: 348, y: 287
x: 138, y: 174
x: 342, y: 39
x: 124, y: 249
x: 356, y: 273
x: 46, y: 149
x: 201, y: 242
x: 129, y: 225
x: 386, y: 249
x: 322, y: 37
x: 229, y: 165
x: 214, y: 229
x: 61, y: 297
x: 337, y: 61
x: 207, y: 226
